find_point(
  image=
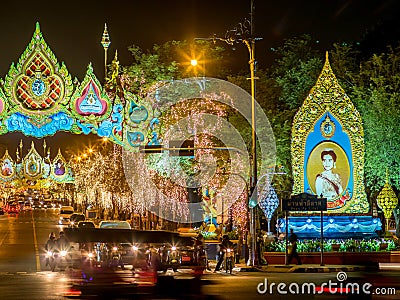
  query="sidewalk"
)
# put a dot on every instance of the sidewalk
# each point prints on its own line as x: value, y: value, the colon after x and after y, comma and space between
x: 305, y: 268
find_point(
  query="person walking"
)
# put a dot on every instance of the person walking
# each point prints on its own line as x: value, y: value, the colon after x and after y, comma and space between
x: 293, y: 253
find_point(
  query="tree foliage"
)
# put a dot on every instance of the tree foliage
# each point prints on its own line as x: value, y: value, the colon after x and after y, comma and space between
x: 376, y: 94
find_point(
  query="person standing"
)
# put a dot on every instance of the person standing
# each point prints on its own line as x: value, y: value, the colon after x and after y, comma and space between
x: 293, y: 253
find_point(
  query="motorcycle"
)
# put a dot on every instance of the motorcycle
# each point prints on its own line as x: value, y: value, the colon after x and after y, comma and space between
x: 174, y: 258
x: 57, y: 258
x: 229, y: 254
x: 50, y: 261
x: 200, y: 256
x: 114, y: 257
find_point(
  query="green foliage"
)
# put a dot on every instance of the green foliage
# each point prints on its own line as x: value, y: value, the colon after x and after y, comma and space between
x: 171, y: 60
x: 349, y: 245
x: 376, y: 95
x: 296, y: 70
x: 209, y: 235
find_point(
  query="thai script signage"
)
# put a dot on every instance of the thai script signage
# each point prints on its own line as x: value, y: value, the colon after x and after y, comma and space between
x: 305, y: 202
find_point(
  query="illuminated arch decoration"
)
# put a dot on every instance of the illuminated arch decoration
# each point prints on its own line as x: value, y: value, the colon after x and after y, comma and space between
x: 8, y: 168
x: 34, y: 168
x: 39, y: 98
x: 328, y: 120
x: 141, y: 122
x: 60, y: 171
x: 33, y: 164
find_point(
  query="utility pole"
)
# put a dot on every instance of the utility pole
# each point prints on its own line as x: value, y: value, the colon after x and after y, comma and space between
x: 244, y: 33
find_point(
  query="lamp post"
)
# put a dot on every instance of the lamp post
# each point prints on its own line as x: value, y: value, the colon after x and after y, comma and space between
x: 244, y: 33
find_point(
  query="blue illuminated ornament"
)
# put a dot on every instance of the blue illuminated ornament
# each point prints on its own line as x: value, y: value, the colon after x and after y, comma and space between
x: 38, y: 87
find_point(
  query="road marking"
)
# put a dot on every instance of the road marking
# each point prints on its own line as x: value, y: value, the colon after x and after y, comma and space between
x: 36, y: 246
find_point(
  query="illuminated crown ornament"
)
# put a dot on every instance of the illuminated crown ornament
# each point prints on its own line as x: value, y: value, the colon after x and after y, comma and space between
x: 327, y: 127
x: 38, y: 83
x: 105, y: 39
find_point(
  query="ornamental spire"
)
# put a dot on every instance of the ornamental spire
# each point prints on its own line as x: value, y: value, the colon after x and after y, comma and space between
x: 105, y: 41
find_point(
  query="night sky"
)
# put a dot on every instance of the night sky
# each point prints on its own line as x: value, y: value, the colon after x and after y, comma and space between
x: 73, y: 29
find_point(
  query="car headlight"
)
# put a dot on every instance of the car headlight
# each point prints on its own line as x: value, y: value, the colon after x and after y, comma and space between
x: 63, y: 253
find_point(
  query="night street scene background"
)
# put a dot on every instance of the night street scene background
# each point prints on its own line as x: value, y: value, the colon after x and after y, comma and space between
x: 199, y: 149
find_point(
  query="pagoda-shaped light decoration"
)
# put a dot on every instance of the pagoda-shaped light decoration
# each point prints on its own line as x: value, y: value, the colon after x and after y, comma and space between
x: 387, y: 200
x: 105, y: 41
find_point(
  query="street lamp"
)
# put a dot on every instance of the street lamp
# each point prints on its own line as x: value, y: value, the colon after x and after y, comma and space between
x: 244, y: 33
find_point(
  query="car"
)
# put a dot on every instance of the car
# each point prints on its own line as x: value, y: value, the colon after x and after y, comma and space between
x: 86, y: 224
x: 36, y: 204
x: 65, y: 214
x: 13, y: 208
x: 27, y: 206
x: 114, y: 224
x: 75, y: 218
x: 187, y: 255
x: 48, y: 204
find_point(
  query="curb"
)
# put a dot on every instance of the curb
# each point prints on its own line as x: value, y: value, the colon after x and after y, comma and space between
x: 301, y: 269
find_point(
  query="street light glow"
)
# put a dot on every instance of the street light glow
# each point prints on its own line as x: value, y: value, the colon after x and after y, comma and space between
x: 193, y: 62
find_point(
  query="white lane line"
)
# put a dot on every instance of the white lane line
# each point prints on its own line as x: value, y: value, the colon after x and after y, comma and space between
x: 36, y: 245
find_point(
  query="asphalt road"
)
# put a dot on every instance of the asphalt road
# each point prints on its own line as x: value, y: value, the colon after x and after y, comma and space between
x: 24, y: 276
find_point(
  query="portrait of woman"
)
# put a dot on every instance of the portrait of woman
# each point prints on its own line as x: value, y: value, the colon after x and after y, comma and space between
x: 328, y: 183
x: 6, y: 168
x: 59, y: 168
x: 328, y: 174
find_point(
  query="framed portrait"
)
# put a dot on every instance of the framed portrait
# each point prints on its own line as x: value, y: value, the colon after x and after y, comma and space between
x: 328, y: 166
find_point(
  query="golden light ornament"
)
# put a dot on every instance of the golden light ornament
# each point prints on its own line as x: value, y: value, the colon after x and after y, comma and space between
x: 387, y: 201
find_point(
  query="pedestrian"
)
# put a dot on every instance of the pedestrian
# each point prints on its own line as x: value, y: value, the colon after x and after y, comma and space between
x: 293, y: 251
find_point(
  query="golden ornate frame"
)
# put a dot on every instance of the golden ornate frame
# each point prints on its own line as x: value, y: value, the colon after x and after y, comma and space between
x: 328, y: 96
